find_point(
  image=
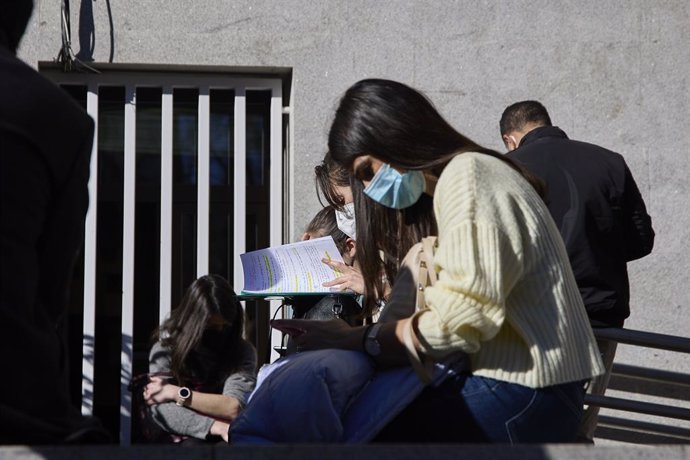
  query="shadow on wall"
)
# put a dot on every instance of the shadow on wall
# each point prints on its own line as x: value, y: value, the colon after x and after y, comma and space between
x: 87, y: 32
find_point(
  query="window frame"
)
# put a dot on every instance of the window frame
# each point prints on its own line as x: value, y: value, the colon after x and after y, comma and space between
x: 168, y: 77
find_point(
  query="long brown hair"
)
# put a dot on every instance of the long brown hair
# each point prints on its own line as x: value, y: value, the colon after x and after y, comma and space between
x: 379, y: 259
x: 398, y: 125
x: 384, y: 236
x: 328, y: 175
x: 182, y: 332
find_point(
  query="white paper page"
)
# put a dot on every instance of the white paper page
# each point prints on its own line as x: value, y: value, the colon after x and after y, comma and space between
x: 290, y: 268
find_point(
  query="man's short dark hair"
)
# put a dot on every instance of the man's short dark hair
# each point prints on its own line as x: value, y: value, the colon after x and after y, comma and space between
x: 517, y: 115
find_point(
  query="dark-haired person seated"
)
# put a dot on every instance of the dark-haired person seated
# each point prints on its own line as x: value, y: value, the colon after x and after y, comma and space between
x: 505, y: 294
x: 202, y: 369
x: 330, y: 306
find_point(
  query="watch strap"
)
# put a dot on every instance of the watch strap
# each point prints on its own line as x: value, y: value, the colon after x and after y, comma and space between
x: 369, y: 338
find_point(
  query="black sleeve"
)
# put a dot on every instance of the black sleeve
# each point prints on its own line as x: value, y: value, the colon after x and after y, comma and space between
x: 639, y: 234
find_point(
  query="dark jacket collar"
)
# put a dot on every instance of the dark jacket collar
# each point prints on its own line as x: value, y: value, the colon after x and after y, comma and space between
x: 541, y: 132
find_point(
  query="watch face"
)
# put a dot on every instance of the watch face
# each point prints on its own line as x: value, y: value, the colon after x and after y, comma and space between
x: 184, y: 392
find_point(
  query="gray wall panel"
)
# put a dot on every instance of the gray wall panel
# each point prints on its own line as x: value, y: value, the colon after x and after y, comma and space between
x: 611, y: 72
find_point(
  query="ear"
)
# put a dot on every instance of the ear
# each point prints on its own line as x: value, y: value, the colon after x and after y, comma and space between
x: 306, y: 236
x: 350, y: 248
x: 510, y: 141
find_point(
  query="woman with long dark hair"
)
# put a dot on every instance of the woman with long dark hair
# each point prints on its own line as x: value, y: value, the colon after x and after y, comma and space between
x: 505, y: 294
x: 202, y: 369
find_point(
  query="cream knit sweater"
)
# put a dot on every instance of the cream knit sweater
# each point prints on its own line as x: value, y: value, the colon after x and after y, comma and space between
x: 506, y: 294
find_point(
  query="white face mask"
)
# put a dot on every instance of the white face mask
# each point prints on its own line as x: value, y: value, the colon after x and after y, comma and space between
x: 345, y: 218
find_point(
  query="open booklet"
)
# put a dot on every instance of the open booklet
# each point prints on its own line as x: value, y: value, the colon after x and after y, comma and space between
x: 290, y: 269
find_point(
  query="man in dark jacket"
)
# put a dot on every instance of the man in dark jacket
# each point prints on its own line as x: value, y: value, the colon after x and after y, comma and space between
x: 45, y: 147
x: 597, y: 207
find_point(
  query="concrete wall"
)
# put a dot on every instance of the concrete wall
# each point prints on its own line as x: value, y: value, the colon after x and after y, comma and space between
x: 610, y: 72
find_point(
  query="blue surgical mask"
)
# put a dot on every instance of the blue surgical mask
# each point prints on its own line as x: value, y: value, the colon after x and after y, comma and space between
x: 395, y: 190
x: 345, y: 219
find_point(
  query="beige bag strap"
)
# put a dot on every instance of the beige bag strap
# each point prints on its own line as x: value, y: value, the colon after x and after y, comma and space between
x: 423, y: 369
x: 427, y: 276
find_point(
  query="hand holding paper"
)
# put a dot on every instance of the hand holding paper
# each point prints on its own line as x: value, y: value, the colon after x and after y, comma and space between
x: 293, y: 269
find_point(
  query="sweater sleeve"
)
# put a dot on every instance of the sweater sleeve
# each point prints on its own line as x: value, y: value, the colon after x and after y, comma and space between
x: 241, y: 383
x: 478, y: 259
x: 181, y: 420
x: 169, y: 416
x: 159, y: 359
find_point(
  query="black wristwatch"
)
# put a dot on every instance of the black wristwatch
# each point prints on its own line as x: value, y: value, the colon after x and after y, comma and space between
x: 371, y: 345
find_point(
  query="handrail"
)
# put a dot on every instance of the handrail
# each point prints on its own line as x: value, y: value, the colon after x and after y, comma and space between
x: 652, y: 375
x: 649, y: 427
x: 640, y: 432
x: 629, y: 405
x: 643, y: 339
x: 656, y: 379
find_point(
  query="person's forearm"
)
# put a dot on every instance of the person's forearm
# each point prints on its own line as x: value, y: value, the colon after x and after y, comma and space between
x: 390, y: 338
x: 181, y: 420
x: 314, y: 335
x: 219, y: 428
x: 214, y: 405
x: 393, y: 351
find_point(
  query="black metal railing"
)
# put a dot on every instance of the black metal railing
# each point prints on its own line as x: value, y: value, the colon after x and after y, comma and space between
x: 644, y: 381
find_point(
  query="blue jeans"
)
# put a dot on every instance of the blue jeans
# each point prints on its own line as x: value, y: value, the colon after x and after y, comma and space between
x: 469, y: 408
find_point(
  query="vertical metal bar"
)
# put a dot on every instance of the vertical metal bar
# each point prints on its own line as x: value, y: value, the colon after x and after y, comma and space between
x: 129, y: 205
x: 276, y: 160
x: 89, y: 327
x: 203, y: 182
x: 240, y: 191
x: 276, y: 189
x: 166, y: 203
x: 289, y: 166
